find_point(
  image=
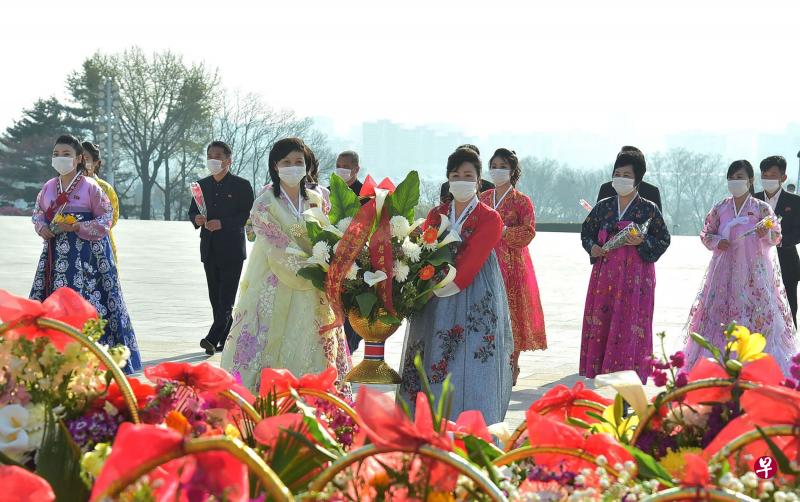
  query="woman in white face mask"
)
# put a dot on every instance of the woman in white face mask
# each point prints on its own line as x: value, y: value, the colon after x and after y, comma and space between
x: 93, y: 163
x: 743, y: 282
x: 73, y: 215
x: 618, y: 317
x: 278, y: 315
x: 465, y: 331
x: 522, y: 289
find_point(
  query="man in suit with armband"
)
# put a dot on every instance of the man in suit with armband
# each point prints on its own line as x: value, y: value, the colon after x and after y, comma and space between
x: 787, y: 207
x: 646, y: 190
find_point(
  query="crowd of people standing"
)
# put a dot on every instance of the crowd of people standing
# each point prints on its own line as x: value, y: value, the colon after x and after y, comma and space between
x: 475, y: 328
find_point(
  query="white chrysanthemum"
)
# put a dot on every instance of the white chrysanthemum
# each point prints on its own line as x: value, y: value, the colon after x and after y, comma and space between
x: 400, y: 271
x: 400, y: 227
x: 321, y: 252
x: 344, y: 223
x: 352, y: 274
x: 411, y: 250
x: 120, y: 354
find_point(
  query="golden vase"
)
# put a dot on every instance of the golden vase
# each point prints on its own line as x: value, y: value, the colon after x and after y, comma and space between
x: 373, y: 369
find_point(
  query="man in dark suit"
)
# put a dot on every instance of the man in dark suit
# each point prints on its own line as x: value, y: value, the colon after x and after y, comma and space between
x: 228, y: 200
x: 347, y: 167
x: 445, y: 190
x: 787, y: 206
x: 646, y: 190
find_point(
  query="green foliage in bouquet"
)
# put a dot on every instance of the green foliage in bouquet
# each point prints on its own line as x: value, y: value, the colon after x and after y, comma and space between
x: 422, y: 260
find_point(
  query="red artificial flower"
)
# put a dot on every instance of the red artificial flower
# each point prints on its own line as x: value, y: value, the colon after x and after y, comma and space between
x: 765, y: 371
x: 369, y: 186
x: 281, y: 380
x: 64, y: 305
x: 142, y: 391
x: 215, y: 473
x: 20, y: 485
x: 268, y: 429
x: 695, y: 472
x: 559, y: 402
x: 427, y: 272
x: 203, y: 377
x: 546, y: 431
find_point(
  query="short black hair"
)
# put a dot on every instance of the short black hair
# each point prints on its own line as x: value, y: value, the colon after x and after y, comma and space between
x: 634, y: 159
x: 770, y: 162
x: 628, y: 148
x: 70, y: 140
x: 220, y: 144
x: 350, y: 154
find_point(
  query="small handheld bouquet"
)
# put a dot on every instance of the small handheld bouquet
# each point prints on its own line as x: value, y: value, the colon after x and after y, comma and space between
x: 248, y: 228
x: 768, y: 223
x: 632, y: 230
x: 68, y: 219
x: 197, y: 195
x: 585, y: 204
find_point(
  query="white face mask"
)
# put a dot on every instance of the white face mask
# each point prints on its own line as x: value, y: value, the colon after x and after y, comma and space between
x: 623, y: 186
x: 771, y: 186
x: 292, y: 175
x: 63, y: 165
x: 344, y: 173
x: 214, y: 166
x: 463, y: 190
x: 737, y: 188
x: 500, y: 176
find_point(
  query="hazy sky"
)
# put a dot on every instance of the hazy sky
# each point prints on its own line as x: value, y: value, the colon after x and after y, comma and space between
x: 639, y: 69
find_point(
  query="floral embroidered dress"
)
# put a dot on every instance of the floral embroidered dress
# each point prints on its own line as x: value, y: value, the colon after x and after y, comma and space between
x: 742, y: 284
x: 527, y: 318
x: 83, y: 260
x: 618, y: 316
x: 278, y: 314
x: 114, y: 200
x: 467, y: 335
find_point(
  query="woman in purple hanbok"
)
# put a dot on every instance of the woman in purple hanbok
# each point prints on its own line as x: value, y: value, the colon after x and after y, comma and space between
x: 618, y: 317
x: 743, y: 281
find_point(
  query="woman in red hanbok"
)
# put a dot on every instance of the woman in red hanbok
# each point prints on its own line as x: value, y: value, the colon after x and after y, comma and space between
x: 519, y: 220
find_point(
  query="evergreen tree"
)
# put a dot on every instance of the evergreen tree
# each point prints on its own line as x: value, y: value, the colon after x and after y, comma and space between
x: 26, y: 148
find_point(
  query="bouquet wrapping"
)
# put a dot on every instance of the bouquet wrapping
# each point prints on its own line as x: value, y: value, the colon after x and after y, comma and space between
x: 632, y: 230
x: 68, y: 219
x: 197, y: 195
x: 769, y: 223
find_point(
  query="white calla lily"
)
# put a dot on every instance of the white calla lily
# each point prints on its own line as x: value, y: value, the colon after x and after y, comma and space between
x: 450, y: 277
x: 380, y: 198
x: 501, y: 431
x: 629, y: 386
x: 335, y: 231
x: 443, y: 225
x: 295, y: 251
x: 318, y: 215
x: 13, y: 418
x: 449, y: 238
x: 416, y: 224
x: 317, y: 260
x: 373, y: 278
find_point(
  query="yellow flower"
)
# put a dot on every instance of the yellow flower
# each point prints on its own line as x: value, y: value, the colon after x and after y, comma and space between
x: 634, y: 232
x: 620, y: 430
x: 674, y: 463
x: 232, y: 432
x: 769, y: 224
x: 440, y: 497
x: 748, y: 346
x: 70, y: 219
x: 176, y: 421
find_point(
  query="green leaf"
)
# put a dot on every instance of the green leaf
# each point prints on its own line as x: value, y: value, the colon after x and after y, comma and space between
x: 783, y: 461
x: 648, y: 467
x: 314, y: 274
x: 366, y: 301
x: 390, y: 319
x: 441, y: 256
x: 59, y: 462
x: 405, y: 197
x: 313, y: 229
x: 704, y: 343
x: 476, y: 444
x: 578, y: 423
x: 618, y: 407
x: 344, y: 202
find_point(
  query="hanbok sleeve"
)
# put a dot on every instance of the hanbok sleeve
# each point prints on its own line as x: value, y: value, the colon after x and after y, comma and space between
x: 98, y: 227
x: 39, y: 220
x: 282, y: 260
x: 476, y: 250
x: 521, y: 235
x: 709, y: 235
x: 112, y: 197
x: 656, y: 240
x: 590, y: 229
x: 774, y: 235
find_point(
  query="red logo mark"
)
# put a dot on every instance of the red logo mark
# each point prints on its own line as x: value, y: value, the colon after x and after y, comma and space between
x: 765, y: 468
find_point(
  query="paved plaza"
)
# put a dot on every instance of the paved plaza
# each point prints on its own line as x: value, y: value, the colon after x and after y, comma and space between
x: 165, y: 290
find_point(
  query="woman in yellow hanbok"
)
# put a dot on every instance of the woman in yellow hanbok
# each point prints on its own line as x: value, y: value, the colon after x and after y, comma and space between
x: 91, y: 156
x: 278, y: 315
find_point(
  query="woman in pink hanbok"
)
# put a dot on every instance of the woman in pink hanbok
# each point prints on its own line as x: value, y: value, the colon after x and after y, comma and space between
x: 743, y: 281
x: 519, y: 229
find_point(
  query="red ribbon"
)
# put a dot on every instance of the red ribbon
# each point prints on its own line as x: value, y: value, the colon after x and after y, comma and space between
x: 349, y: 248
x: 380, y: 255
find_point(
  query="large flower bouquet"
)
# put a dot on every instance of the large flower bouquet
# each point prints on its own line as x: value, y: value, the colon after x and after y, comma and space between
x: 72, y: 427
x: 375, y: 257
